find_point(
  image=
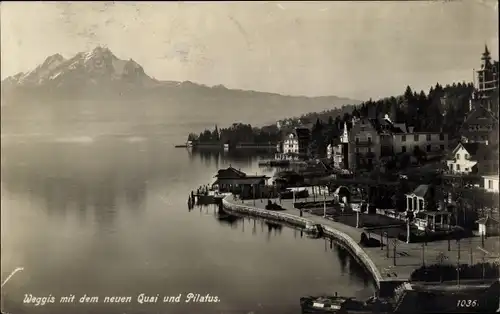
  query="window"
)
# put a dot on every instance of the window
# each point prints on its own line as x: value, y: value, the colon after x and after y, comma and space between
x: 357, y: 140
x: 403, y: 138
x: 441, y: 137
x: 428, y: 137
x: 466, y: 169
x: 451, y: 167
x: 490, y: 184
x: 441, y: 147
x: 403, y: 149
x: 369, y: 139
x: 369, y: 149
x: 415, y: 137
x: 466, y: 156
x: 357, y: 150
x: 457, y: 156
x: 458, y: 167
x: 428, y: 148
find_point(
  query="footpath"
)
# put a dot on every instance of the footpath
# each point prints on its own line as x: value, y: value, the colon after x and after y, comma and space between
x: 393, y: 264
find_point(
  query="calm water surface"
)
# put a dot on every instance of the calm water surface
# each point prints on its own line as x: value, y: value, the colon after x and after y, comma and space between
x: 107, y: 216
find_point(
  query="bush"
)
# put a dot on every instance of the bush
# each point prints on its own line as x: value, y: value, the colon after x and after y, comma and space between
x: 313, y: 204
x: 368, y: 242
x: 435, y: 236
x: 447, y: 272
x: 273, y: 206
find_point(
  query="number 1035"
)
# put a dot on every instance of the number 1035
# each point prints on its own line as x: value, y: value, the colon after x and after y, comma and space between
x: 467, y: 303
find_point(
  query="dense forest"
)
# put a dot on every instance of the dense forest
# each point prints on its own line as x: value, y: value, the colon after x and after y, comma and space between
x: 441, y: 109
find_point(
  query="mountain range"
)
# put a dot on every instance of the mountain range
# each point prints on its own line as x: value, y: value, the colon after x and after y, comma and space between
x: 100, y: 74
x: 96, y: 92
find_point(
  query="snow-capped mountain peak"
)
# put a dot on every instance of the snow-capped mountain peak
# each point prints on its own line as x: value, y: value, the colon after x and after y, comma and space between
x: 98, y: 66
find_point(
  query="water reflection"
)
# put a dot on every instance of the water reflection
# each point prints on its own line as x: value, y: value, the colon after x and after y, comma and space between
x: 348, y: 265
x: 217, y: 156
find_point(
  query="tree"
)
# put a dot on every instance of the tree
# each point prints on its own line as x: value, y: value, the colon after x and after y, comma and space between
x: 430, y: 199
x: 402, y: 189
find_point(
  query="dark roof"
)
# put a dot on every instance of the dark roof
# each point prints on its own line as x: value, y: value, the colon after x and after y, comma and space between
x: 246, y: 180
x: 230, y: 173
x: 476, y: 116
x: 421, y: 190
x: 472, y: 148
x: 302, y: 132
x: 488, y: 221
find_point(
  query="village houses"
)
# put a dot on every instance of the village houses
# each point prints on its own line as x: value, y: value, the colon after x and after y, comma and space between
x: 472, y: 158
x: 370, y: 139
x: 295, y: 144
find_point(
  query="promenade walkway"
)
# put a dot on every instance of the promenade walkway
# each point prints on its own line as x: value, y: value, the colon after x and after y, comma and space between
x: 398, y: 264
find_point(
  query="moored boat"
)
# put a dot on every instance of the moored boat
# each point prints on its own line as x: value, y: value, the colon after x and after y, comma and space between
x: 414, y: 298
x: 343, y: 305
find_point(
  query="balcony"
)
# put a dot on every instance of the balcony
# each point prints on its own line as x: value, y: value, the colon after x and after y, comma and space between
x: 364, y: 143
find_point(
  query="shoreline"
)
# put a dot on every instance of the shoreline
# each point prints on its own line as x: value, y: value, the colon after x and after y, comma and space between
x: 389, y: 267
x: 384, y: 286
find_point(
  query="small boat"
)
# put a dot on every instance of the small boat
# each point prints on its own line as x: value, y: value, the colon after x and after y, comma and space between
x: 314, y: 230
x: 343, y: 305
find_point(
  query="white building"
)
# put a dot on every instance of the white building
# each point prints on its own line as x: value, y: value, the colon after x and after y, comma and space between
x: 428, y: 142
x: 291, y: 144
x: 465, y: 158
x: 329, y: 151
x: 491, y: 183
x: 295, y: 144
x: 338, y: 151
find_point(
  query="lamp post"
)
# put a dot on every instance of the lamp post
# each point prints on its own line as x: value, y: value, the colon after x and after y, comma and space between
x: 394, y: 257
x: 387, y: 243
x: 324, y: 207
x: 458, y: 262
x: 253, y: 195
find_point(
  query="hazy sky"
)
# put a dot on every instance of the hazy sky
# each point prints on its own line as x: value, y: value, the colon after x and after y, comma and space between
x: 352, y: 49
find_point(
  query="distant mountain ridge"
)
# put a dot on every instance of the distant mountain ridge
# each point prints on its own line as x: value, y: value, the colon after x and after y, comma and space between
x: 100, y: 74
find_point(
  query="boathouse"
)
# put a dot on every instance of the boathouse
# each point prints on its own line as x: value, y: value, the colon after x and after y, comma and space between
x: 237, y: 182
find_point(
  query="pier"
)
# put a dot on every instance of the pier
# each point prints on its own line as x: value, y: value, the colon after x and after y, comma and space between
x: 390, y: 264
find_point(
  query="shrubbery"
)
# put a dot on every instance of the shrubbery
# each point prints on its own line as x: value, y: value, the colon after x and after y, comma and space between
x: 369, y: 242
x: 273, y: 206
x: 447, y: 272
x: 435, y: 236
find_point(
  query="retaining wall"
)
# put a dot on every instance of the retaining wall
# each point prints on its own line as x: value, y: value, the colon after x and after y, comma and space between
x: 329, y: 231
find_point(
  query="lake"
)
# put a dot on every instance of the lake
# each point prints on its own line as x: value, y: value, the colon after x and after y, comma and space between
x: 107, y: 216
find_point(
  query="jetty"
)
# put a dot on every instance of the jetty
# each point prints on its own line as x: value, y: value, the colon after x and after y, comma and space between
x: 391, y: 264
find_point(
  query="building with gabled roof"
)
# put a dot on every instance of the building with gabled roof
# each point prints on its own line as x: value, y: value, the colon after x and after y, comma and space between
x: 236, y: 181
x: 473, y: 158
x: 296, y: 142
x: 480, y: 126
